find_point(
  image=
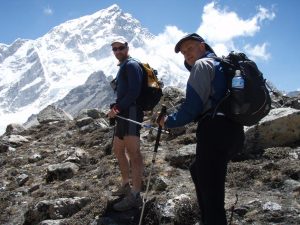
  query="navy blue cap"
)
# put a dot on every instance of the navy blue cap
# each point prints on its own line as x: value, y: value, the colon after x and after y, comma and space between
x: 195, y: 37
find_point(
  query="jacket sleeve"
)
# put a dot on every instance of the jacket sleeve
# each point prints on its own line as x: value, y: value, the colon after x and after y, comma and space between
x: 134, y: 75
x: 197, y: 94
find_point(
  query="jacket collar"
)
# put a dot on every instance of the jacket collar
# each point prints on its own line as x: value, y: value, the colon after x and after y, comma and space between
x: 207, y: 54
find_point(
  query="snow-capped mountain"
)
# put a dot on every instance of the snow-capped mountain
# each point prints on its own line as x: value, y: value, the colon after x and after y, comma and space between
x: 94, y: 93
x: 293, y: 94
x: 36, y: 73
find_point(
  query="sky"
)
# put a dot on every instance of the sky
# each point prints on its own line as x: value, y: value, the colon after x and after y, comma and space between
x: 265, y: 30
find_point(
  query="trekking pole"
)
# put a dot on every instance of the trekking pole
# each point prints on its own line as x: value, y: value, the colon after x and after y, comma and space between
x: 232, y: 208
x: 148, y: 126
x: 162, y: 113
x: 113, y: 138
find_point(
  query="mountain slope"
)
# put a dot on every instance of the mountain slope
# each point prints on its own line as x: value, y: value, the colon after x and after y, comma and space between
x: 94, y: 93
x: 36, y: 73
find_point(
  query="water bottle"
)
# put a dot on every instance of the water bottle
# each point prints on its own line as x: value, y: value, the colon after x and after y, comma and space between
x: 237, y: 91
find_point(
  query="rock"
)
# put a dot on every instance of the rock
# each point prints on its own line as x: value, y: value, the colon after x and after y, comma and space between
x: 183, y: 157
x: 52, y: 222
x: 3, y: 147
x: 99, y: 124
x: 52, y: 114
x: 186, y: 210
x: 34, y: 187
x: 15, y: 140
x: 181, y: 209
x: 78, y: 156
x: 295, y: 104
x: 14, y: 128
x: 160, y: 183
x: 280, y: 128
x: 55, y: 209
x: 102, y: 123
x: 291, y: 185
x: 93, y: 113
x: 34, y: 158
x: 22, y: 179
x: 61, y: 171
x: 271, y: 206
x: 84, y: 121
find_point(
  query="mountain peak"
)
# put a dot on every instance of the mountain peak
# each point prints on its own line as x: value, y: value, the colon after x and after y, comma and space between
x: 113, y: 8
x: 36, y: 73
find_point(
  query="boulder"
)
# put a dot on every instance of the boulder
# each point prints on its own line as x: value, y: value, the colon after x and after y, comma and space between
x: 280, y: 128
x: 15, y: 140
x: 14, y: 128
x: 55, y: 209
x: 61, y: 171
x: 183, y: 157
x: 52, y: 114
x: 84, y: 121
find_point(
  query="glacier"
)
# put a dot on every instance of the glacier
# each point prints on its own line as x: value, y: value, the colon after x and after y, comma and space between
x: 37, y: 73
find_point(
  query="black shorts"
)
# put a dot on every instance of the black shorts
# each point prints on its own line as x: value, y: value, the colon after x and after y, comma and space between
x: 127, y: 128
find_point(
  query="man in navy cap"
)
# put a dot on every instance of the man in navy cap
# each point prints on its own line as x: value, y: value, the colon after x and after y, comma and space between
x: 218, y: 138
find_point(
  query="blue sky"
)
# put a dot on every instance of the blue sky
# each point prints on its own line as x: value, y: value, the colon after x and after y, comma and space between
x: 267, y: 30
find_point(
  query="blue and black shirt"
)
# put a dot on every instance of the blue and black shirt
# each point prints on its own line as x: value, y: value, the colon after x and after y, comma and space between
x: 206, y: 86
x: 129, y: 83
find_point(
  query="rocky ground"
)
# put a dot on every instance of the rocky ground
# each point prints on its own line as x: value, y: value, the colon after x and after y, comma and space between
x: 62, y: 172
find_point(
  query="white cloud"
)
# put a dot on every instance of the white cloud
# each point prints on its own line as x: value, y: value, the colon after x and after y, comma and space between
x: 169, y: 63
x: 221, y: 27
x: 162, y: 45
x: 264, y: 14
x: 48, y: 11
x: 258, y: 51
x: 222, y: 49
x: 166, y: 42
x: 223, y: 36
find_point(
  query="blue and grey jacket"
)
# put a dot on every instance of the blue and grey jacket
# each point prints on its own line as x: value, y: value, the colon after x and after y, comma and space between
x: 129, y: 83
x: 206, y: 86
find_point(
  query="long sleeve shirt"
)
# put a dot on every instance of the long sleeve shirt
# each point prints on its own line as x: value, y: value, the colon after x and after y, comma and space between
x: 206, y: 86
x: 129, y: 83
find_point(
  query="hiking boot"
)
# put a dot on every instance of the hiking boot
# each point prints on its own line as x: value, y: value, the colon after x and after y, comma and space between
x: 129, y: 202
x: 199, y: 223
x: 122, y: 190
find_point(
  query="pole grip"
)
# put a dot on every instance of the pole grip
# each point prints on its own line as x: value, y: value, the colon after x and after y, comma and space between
x: 162, y: 113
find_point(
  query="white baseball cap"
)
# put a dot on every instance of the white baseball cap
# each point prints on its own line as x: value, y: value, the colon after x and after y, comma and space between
x: 120, y: 40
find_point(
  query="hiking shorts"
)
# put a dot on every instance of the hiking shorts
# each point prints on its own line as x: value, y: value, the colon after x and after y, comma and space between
x: 127, y: 128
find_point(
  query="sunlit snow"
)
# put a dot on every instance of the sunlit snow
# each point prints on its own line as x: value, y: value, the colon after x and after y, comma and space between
x: 46, y: 69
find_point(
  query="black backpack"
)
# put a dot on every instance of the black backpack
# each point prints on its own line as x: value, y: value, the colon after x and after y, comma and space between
x: 256, y: 102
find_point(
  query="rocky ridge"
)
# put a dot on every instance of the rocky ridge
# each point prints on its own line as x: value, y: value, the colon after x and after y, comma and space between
x: 62, y: 171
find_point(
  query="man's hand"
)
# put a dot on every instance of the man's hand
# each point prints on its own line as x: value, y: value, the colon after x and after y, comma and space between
x: 162, y: 117
x: 113, y: 112
x: 161, y: 121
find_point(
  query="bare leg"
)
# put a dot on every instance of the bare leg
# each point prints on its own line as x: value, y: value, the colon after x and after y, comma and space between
x: 119, y: 150
x: 132, y: 144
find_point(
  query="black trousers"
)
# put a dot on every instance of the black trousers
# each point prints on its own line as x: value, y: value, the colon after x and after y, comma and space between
x: 218, y: 139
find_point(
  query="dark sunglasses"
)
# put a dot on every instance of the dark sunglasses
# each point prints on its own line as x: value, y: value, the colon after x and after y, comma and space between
x: 121, y: 48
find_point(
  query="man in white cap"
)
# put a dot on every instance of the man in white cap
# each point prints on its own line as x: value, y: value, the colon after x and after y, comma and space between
x: 126, y: 144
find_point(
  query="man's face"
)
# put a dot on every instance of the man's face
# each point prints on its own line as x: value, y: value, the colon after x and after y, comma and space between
x: 192, y: 50
x: 120, y: 51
